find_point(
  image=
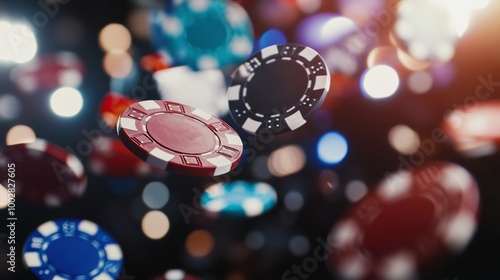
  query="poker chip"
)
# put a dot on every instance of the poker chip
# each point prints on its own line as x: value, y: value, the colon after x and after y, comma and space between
x: 45, y: 173
x: 203, y: 34
x: 239, y: 198
x: 72, y: 249
x: 205, y: 89
x: 176, y: 274
x: 179, y: 138
x: 109, y: 157
x: 278, y: 88
x: 48, y: 72
x: 112, y: 105
x: 474, y: 122
x: 409, y: 222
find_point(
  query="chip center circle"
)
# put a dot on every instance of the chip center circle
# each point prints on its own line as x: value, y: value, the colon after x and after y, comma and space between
x: 207, y: 33
x: 399, y: 225
x: 73, y: 255
x: 276, y: 87
x: 182, y: 134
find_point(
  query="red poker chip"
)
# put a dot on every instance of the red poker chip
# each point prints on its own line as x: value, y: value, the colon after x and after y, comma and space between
x: 176, y: 274
x: 49, y: 72
x: 410, y: 221
x: 179, y: 138
x: 153, y: 63
x: 479, y: 121
x: 109, y: 157
x: 44, y: 173
x: 112, y: 105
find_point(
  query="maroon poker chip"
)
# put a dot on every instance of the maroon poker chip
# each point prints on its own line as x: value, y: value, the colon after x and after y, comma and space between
x: 44, y: 173
x: 408, y: 222
x: 179, y: 138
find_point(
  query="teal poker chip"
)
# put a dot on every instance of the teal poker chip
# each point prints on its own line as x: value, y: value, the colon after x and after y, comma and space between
x: 202, y: 34
x: 72, y: 249
x: 239, y: 198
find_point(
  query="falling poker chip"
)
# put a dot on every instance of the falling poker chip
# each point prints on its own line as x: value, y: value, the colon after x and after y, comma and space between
x: 72, y: 249
x: 278, y: 89
x: 203, y: 34
x: 205, y: 89
x: 408, y: 223
x: 239, y: 198
x: 179, y: 138
x: 45, y: 173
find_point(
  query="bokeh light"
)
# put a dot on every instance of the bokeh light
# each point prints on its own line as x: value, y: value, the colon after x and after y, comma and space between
x: 324, y: 29
x: 17, y: 42
x: 10, y: 107
x: 4, y: 200
x: 332, y: 148
x: 294, y: 201
x: 66, y: 102
x: 20, y: 134
x: 115, y: 37
x: 355, y: 190
x: 404, y: 139
x: 118, y: 64
x: 271, y: 37
x: 155, y: 225
x: 155, y: 195
x: 299, y: 245
x: 286, y: 160
x: 255, y: 240
x: 380, y: 81
x: 420, y: 82
x: 199, y: 243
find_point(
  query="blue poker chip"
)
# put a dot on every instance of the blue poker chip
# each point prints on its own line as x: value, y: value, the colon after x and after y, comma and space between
x: 203, y: 34
x: 72, y: 249
x: 239, y: 198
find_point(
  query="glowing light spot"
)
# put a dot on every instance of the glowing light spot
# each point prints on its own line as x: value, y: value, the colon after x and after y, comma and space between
x: 355, y: 190
x: 294, y: 201
x: 10, y: 107
x: 155, y: 195
x: 17, y: 42
x: 324, y: 29
x: 299, y: 245
x: 404, y: 139
x: 420, y: 82
x: 309, y: 6
x: 20, y: 134
x: 4, y: 201
x: 66, y: 102
x: 380, y: 81
x: 332, y: 148
x: 155, y: 225
x: 255, y: 240
x: 115, y: 37
x: 286, y: 161
x: 118, y: 64
x: 271, y: 37
x: 199, y: 243
x: 411, y: 63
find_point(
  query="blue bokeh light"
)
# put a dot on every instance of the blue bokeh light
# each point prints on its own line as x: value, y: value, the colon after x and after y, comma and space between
x: 332, y: 148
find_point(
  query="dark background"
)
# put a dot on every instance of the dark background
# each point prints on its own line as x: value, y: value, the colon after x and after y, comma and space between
x: 364, y: 122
